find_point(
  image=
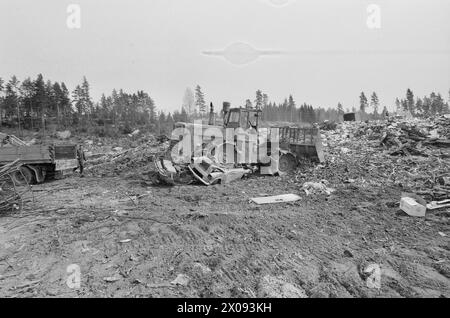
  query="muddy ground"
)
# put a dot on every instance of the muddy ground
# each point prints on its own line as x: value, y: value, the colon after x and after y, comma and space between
x: 132, y: 239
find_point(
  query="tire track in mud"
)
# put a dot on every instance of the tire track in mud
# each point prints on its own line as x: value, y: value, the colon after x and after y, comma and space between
x: 236, y: 244
x: 247, y: 256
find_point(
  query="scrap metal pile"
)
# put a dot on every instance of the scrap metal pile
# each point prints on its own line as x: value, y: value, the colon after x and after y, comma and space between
x: 411, y: 153
x: 203, y: 170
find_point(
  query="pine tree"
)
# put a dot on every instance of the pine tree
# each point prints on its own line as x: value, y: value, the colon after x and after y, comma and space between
x: 291, y: 108
x: 398, y: 105
x: 266, y: 100
x: 86, y: 100
x: 433, y: 106
x: 200, y: 100
x: 27, y: 92
x: 446, y: 109
x: 404, y: 103
x: 426, y: 106
x: 362, y: 102
x: 438, y: 105
x: 103, y: 107
x: 410, y: 101
x: 340, y: 109
x: 66, y: 105
x: 374, y: 103
x: 161, y: 122
x: 58, y: 99
x: 115, y: 105
x: 152, y: 109
x: 184, y: 116
x: 312, y: 114
x: 419, y: 107
x: 169, y: 123
x: 49, y: 99
x: 259, y: 99
x: 77, y: 100
x: 11, y: 102
x: 40, y: 98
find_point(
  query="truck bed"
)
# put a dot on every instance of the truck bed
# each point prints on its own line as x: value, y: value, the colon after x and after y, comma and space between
x: 27, y: 154
x: 67, y: 151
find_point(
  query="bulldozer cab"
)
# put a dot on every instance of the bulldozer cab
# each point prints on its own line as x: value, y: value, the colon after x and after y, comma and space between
x: 242, y: 118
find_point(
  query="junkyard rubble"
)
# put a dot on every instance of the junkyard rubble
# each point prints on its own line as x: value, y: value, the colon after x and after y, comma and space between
x: 411, y: 153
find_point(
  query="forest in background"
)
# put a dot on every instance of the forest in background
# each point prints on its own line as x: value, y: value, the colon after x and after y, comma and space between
x: 36, y: 104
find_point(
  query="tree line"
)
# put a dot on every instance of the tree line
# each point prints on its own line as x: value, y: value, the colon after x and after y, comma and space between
x: 195, y: 106
x: 428, y: 106
x: 370, y: 109
x: 34, y: 103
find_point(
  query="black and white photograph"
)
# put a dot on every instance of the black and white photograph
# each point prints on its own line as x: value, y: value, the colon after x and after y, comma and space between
x: 224, y: 154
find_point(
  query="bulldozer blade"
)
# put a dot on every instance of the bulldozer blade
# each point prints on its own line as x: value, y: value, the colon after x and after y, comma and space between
x: 302, y: 142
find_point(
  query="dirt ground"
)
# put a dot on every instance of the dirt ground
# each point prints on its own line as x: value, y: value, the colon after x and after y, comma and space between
x: 132, y: 239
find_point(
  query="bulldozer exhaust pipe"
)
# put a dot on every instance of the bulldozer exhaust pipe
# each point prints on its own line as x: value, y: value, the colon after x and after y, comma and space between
x: 211, y: 120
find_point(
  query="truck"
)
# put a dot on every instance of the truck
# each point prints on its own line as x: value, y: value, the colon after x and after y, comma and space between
x: 40, y: 162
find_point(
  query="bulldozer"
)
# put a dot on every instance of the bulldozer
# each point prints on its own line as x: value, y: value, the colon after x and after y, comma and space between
x: 295, y: 144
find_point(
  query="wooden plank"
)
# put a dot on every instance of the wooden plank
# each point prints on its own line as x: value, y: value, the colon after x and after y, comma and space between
x: 277, y: 199
x: 28, y: 156
x: 25, y: 154
x: 24, y: 149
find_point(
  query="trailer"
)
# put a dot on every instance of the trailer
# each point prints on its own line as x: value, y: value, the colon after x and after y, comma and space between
x: 40, y: 162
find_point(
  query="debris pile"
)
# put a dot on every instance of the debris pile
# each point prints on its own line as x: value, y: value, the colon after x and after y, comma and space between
x: 11, y: 140
x: 118, y: 161
x: 149, y: 161
x: 328, y: 125
x: 411, y: 153
x: 11, y: 194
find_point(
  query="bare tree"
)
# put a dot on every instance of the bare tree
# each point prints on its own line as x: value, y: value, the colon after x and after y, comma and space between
x: 188, y: 101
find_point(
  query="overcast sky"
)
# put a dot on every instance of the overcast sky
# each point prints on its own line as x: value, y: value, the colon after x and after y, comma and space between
x: 157, y: 45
